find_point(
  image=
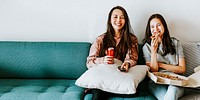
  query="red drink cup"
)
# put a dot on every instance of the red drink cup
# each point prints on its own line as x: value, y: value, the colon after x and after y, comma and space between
x: 110, y: 53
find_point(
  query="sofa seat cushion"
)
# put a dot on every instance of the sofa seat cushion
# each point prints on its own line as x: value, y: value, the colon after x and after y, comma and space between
x: 39, y: 89
x: 147, y: 97
x: 142, y: 96
x: 191, y: 94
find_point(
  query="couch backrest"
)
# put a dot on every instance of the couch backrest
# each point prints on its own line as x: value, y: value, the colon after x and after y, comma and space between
x: 43, y: 59
x: 141, y: 60
x: 192, y: 56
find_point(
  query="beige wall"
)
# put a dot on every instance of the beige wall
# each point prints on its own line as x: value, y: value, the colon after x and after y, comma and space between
x: 84, y: 20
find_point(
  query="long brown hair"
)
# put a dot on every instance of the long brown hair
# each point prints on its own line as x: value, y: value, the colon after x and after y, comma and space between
x: 168, y: 46
x: 125, y: 42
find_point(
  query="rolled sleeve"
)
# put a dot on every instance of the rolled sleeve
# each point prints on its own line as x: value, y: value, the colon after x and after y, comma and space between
x: 93, y: 57
x: 132, y: 54
x: 146, y: 52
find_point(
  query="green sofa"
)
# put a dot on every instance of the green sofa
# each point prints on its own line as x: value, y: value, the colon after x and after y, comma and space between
x: 48, y: 71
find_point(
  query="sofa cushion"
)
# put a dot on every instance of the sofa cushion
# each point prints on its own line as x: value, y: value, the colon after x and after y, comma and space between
x: 39, y: 89
x: 140, y: 97
x: 43, y: 59
x: 141, y: 60
x: 191, y: 97
x: 191, y: 94
x: 192, y: 57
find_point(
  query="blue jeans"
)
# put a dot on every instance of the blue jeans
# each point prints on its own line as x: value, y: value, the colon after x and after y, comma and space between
x: 165, y: 92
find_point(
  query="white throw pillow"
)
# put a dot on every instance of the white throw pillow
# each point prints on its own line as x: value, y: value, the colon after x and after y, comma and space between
x: 108, y: 78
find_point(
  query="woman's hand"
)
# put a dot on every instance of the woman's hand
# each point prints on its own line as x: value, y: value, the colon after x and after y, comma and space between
x: 126, y: 66
x: 108, y: 60
x: 155, y: 41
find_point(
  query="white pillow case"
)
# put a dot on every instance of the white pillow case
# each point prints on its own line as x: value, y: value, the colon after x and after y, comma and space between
x: 108, y: 78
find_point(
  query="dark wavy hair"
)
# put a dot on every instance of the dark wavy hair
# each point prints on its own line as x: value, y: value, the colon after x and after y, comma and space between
x: 168, y: 46
x: 126, y: 34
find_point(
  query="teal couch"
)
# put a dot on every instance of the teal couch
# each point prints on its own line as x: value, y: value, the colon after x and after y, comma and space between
x: 48, y: 71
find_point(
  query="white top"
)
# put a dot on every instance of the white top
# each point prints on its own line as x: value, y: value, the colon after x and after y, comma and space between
x: 168, y: 59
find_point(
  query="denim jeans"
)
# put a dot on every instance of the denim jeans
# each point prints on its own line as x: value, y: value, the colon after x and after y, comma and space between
x: 165, y: 92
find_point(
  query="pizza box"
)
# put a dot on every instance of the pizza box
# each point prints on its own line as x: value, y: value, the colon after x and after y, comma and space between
x: 191, y: 81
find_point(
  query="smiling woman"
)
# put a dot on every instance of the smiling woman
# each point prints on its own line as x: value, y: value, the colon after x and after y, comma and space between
x: 121, y: 39
x: 117, y: 21
x: 163, y: 54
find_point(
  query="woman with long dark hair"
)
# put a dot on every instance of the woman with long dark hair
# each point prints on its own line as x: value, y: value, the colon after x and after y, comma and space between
x: 163, y: 54
x: 119, y: 35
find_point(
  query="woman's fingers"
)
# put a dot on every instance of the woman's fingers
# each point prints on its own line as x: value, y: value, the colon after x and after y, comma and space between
x: 154, y: 41
x: 108, y: 60
x: 125, y: 66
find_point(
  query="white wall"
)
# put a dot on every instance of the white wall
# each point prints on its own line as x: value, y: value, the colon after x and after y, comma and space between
x: 84, y: 20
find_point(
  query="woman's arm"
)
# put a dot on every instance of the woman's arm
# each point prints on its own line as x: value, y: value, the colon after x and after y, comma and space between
x: 93, y: 57
x: 154, y: 62
x: 180, y: 69
x: 131, y: 56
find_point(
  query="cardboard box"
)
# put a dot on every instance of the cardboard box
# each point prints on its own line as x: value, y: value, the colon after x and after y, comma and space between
x: 191, y: 81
